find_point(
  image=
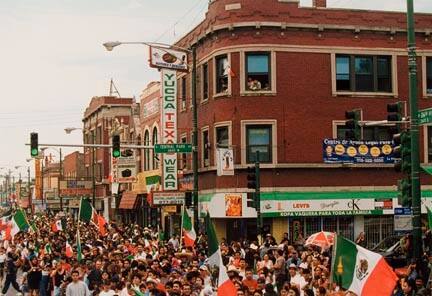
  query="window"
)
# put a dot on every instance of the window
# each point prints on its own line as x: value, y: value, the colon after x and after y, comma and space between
x: 222, y: 137
x: 206, y: 148
x: 183, y: 163
x: 259, y: 139
x: 205, y: 82
x: 370, y: 133
x: 99, y: 135
x: 147, y: 151
x: 222, y: 69
x: 258, y: 71
x: 183, y: 93
x: 429, y: 75
x: 155, y: 141
x: 363, y: 73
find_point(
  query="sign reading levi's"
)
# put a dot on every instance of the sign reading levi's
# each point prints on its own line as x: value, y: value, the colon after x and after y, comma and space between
x: 169, y: 127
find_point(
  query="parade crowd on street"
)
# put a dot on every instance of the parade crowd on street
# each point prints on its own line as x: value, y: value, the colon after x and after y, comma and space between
x: 49, y: 259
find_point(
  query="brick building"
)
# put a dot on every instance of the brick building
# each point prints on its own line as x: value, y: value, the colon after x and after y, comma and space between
x: 103, y: 116
x: 277, y: 78
x: 73, y: 166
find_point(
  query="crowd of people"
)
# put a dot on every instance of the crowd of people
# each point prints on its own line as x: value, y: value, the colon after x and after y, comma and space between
x: 132, y: 260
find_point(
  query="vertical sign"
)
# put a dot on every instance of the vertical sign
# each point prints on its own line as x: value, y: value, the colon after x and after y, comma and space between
x: 38, y: 179
x: 169, y: 127
x: 225, y: 162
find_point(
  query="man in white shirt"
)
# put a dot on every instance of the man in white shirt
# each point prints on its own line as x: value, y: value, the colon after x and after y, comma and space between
x: 296, y: 279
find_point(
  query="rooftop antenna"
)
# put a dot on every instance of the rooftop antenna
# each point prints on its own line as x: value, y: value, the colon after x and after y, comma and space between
x: 113, y: 89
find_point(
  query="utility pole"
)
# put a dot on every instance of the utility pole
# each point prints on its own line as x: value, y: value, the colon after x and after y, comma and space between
x: 415, y: 153
x: 93, y: 172
x: 59, y: 179
x: 258, y: 196
x: 29, y: 195
x: 195, y: 141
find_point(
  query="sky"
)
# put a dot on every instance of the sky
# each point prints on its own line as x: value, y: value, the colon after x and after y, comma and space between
x: 52, y: 61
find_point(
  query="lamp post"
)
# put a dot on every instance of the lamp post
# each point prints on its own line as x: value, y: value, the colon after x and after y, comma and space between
x: 110, y: 46
x: 69, y: 130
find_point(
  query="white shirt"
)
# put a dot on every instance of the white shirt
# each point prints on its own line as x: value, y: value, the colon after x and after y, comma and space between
x: 107, y: 293
x: 299, y: 281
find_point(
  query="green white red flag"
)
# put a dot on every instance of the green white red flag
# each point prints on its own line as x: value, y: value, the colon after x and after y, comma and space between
x: 58, y: 225
x: 68, y: 251
x: 225, y: 285
x: 189, y: 234
x: 19, y: 223
x: 88, y: 214
x: 361, y: 271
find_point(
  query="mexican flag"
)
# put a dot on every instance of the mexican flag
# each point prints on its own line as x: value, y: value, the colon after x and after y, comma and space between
x: 225, y: 285
x: 189, y: 234
x: 69, y: 251
x: 361, y: 271
x: 58, y: 225
x: 78, y: 243
x: 429, y: 214
x: 86, y: 212
x: 19, y: 223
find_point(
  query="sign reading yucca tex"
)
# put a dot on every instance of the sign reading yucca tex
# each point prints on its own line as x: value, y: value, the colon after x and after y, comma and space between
x: 169, y: 127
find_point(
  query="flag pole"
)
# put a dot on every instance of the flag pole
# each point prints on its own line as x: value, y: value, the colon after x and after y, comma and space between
x: 181, y: 227
x: 333, y: 258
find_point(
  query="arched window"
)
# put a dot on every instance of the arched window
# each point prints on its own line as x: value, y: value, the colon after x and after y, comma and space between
x: 139, y: 153
x: 155, y: 141
x: 146, y: 151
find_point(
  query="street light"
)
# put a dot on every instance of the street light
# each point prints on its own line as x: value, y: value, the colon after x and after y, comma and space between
x: 68, y: 131
x: 111, y: 44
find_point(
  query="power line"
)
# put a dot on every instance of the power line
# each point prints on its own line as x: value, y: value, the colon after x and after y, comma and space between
x: 178, y: 21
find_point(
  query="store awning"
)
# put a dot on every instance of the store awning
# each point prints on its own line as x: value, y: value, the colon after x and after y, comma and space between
x: 128, y: 200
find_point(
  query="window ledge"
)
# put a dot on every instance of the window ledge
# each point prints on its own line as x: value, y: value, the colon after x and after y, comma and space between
x: 203, y: 102
x: 427, y: 96
x: 221, y: 95
x: 364, y: 94
x: 257, y: 93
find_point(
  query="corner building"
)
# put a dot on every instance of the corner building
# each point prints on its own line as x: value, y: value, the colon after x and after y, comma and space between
x: 277, y: 78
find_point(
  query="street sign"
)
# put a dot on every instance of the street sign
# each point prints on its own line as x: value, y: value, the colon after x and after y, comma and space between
x: 425, y: 116
x: 402, y: 219
x: 168, y: 198
x: 173, y: 148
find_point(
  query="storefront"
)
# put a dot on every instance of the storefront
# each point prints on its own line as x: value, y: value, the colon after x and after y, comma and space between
x: 302, y: 213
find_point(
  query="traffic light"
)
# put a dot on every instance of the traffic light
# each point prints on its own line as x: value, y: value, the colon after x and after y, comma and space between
x: 352, y: 124
x: 116, y: 146
x: 188, y: 199
x: 394, y: 111
x: 404, y: 195
x: 251, y: 200
x: 34, y: 145
x: 251, y: 178
x: 402, y: 152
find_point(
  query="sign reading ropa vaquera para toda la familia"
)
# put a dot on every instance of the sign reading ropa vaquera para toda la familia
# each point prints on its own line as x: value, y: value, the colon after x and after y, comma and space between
x: 169, y: 127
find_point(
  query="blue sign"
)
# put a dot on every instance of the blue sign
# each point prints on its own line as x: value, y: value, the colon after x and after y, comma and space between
x: 349, y: 151
x: 403, y: 211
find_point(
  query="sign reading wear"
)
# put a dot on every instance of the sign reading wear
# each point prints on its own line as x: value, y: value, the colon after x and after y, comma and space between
x: 168, y: 58
x: 403, y: 219
x: 172, y: 148
x: 168, y: 198
x: 348, y: 151
x: 225, y: 162
x: 169, y: 127
x: 425, y: 116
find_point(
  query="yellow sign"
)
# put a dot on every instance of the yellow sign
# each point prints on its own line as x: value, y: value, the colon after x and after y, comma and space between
x: 140, y: 186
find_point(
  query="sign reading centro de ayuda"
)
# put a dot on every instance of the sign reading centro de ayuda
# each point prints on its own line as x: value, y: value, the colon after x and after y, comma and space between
x: 349, y: 151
